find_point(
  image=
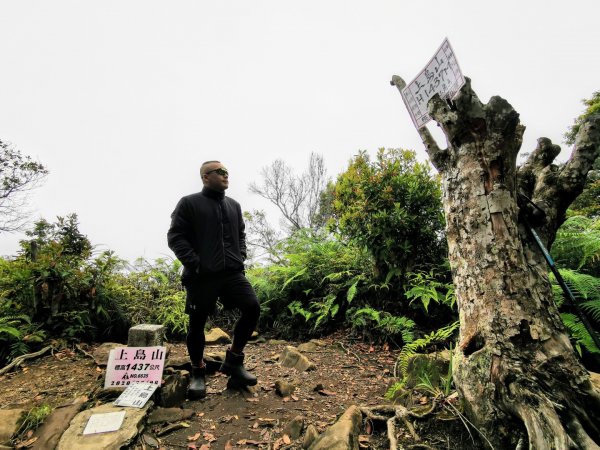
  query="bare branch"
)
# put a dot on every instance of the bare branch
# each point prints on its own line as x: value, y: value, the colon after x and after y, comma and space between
x: 438, y: 156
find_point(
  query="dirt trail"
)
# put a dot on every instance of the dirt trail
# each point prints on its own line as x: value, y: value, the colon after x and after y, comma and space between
x: 346, y: 374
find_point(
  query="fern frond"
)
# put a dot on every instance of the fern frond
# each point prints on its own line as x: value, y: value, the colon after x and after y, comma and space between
x: 579, y: 333
x: 441, y: 335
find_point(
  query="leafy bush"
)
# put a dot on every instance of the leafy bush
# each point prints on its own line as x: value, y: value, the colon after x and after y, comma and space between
x: 318, y: 281
x: 392, y: 207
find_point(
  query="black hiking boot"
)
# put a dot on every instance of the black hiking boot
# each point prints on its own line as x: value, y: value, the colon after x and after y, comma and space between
x: 234, y: 367
x: 197, y: 387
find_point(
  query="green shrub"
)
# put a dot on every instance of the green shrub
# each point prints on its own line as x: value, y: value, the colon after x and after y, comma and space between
x: 392, y: 207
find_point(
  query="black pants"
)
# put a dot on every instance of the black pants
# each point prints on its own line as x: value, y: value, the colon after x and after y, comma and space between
x: 235, y: 292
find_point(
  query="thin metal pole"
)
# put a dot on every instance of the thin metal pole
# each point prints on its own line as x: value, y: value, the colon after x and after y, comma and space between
x: 570, y: 298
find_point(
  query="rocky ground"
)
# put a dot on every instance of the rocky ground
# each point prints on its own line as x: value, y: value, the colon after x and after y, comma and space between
x: 283, y: 411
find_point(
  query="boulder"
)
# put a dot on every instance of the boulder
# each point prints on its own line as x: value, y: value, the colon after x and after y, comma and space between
x: 256, y: 338
x: 174, y: 388
x: 56, y: 423
x: 342, y: 435
x: 294, y: 428
x: 101, y: 353
x: 314, y: 345
x: 291, y: 357
x: 217, y: 336
x: 284, y: 388
x: 74, y: 438
x: 9, y: 423
x: 310, y: 435
x: 213, y: 361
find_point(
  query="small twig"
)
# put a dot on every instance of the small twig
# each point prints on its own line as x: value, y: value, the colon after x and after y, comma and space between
x: 348, y: 352
x: 19, y: 360
x: 78, y: 347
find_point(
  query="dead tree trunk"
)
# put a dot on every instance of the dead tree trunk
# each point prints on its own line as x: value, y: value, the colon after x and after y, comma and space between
x: 514, y: 365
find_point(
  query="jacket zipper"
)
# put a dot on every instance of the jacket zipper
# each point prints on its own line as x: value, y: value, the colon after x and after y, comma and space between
x: 222, y: 235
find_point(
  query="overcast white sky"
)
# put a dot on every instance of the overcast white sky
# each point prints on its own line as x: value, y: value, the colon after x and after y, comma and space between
x: 122, y: 100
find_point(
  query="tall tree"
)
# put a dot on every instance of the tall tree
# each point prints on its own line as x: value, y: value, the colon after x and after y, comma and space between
x: 514, y: 365
x: 296, y: 196
x: 18, y: 175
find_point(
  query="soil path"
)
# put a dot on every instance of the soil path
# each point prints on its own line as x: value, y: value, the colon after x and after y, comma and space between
x: 346, y: 373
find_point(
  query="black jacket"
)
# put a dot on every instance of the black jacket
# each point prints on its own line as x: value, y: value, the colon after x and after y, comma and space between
x: 199, y: 234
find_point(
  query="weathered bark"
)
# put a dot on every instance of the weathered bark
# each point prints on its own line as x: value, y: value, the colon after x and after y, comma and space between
x: 514, y: 365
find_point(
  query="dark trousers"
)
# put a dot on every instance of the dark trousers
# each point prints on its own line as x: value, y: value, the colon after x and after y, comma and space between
x: 234, y: 292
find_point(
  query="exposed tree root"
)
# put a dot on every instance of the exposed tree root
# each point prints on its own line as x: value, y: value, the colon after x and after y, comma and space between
x: 20, y: 359
x: 393, y: 414
x: 551, y: 425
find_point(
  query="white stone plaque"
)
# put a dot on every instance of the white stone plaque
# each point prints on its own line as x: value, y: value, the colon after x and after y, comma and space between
x: 104, y: 423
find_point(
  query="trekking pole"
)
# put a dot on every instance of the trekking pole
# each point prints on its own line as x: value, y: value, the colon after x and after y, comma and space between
x: 569, y: 297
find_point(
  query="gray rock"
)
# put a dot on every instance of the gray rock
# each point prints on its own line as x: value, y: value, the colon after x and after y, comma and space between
x: 310, y: 435
x: 164, y: 415
x: 342, y: 435
x: 174, y: 388
x: 74, y: 438
x: 314, y: 345
x: 217, y: 336
x: 178, y: 362
x: 284, y: 388
x: 56, y: 423
x: 101, y: 353
x: 213, y: 361
x: 294, y: 428
x: 150, y: 441
x: 9, y: 420
x: 146, y: 335
x: 291, y: 357
x: 308, y: 347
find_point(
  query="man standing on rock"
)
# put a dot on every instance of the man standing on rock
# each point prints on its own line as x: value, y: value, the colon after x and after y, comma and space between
x: 207, y: 236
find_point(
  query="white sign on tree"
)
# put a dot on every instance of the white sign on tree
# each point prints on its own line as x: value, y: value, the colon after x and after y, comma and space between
x: 441, y: 76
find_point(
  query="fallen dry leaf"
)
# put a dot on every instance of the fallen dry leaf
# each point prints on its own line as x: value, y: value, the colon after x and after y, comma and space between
x: 209, y: 437
x: 286, y: 439
x: 205, y: 447
x: 369, y: 427
x: 326, y: 392
x: 194, y: 437
x: 228, y: 445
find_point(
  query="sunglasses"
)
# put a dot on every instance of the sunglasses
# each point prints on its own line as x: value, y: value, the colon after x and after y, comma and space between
x: 220, y: 171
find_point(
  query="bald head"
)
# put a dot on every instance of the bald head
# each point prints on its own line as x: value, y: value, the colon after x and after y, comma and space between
x: 214, y: 175
x: 206, y: 166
